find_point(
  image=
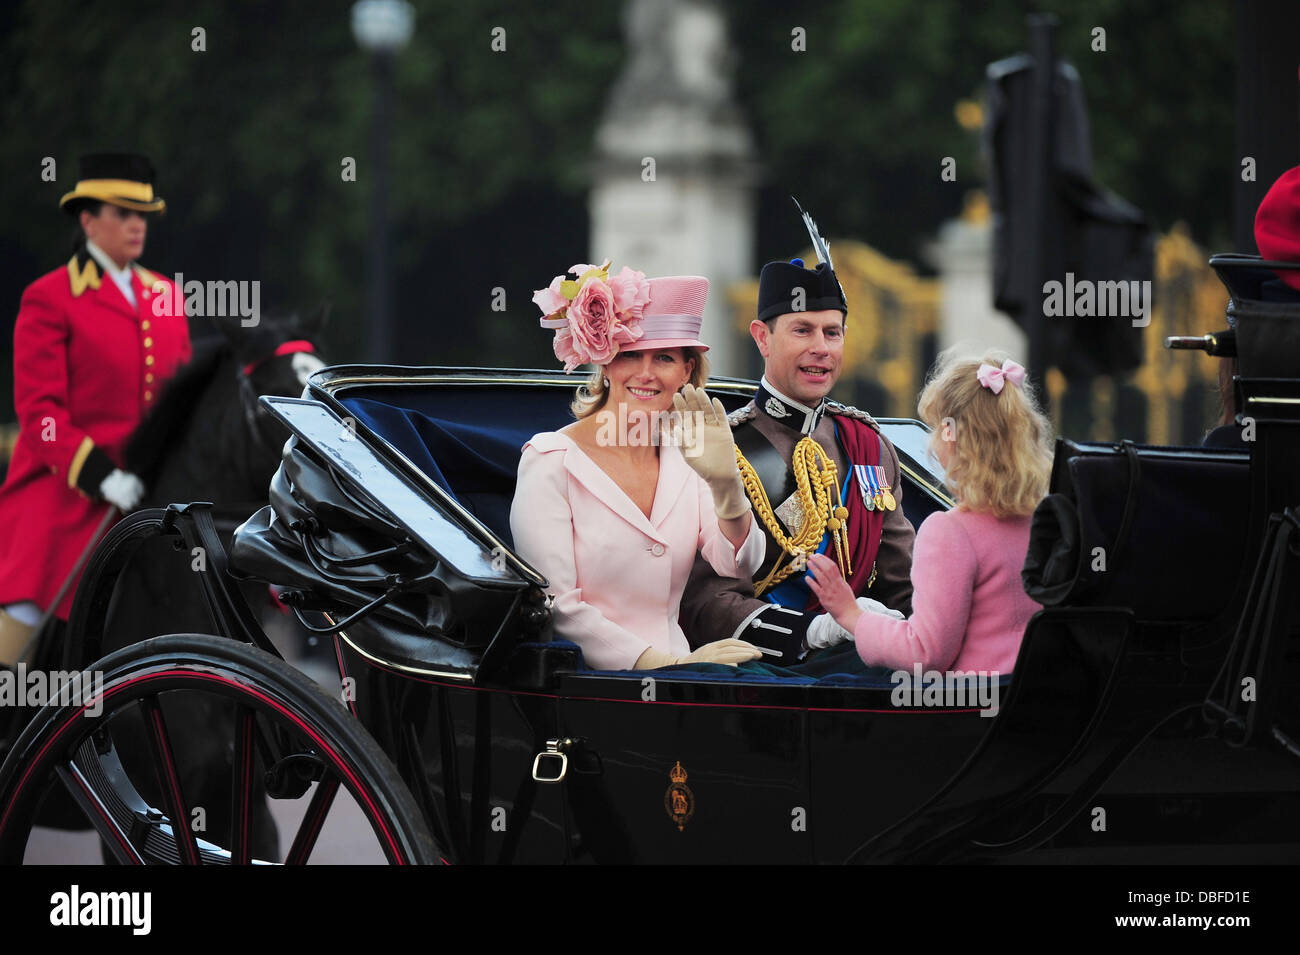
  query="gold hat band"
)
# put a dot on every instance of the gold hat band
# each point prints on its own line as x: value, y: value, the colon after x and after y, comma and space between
x: 125, y: 188
x: 124, y: 192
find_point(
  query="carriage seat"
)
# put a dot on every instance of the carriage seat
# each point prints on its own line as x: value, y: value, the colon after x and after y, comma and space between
x: 468, y: 441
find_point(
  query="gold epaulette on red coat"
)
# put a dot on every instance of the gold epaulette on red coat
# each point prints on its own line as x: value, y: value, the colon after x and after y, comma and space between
x: 147, y: 278
x: 82, y: 274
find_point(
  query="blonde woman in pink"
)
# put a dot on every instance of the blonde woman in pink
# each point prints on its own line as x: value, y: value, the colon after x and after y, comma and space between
x: 613, y: 508
x: 969, y: 607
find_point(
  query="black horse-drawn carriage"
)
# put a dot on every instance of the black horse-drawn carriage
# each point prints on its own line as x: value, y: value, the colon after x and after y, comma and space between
x: 1152, y: 714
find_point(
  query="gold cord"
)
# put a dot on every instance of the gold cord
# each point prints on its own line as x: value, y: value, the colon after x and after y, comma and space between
x: 814, y: 474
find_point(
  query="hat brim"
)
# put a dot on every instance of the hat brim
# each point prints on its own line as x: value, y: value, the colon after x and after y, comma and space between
x: 665, y: 343
x: 155, y: 205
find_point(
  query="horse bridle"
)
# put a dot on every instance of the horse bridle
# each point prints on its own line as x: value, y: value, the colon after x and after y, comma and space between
x: 251, y: 407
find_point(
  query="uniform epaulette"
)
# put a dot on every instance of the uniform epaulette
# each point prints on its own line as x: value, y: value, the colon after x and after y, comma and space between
x: 82, y: 275
x: 147, y: 278
x: 741, y: 415
x: 848, y: 411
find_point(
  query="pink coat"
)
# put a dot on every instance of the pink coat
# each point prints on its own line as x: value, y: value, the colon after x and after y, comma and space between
x: 616, y: 575
x: 969, y: 606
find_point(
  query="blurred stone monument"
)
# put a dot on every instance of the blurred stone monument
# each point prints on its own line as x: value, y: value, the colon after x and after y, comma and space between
x: 674, y: 171
x: 963, y: 256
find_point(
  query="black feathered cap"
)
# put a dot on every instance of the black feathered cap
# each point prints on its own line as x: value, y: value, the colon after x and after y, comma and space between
x: 779, y: 280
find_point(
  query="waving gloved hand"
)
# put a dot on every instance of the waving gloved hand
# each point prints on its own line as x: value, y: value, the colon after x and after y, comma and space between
x: 709, y: 449
x: 729, y: 652
x: 122, y: 489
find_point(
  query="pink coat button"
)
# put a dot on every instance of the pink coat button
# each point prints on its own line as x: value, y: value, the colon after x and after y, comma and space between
x: 658, y: 549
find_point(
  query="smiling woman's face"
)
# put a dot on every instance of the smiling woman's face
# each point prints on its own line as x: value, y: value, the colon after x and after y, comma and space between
x: 646, y: 379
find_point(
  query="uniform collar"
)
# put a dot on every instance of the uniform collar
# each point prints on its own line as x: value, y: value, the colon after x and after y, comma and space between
x: 787, y: 411
x: 121, y: 276
x: 108, y: 265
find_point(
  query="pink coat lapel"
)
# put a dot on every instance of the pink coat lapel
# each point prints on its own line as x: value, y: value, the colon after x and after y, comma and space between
x: 674, y: 478
x: 673, y: 472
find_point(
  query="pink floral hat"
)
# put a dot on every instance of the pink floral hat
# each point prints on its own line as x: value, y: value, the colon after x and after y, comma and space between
x: 596, y: 315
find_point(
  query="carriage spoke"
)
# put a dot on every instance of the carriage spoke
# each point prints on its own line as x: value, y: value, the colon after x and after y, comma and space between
x: 118, y: 842
x: 169, y: 781
x: 313, y: 821
x: 241, y: 786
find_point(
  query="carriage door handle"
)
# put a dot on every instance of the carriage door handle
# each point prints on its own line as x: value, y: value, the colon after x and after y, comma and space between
x: 556, y: 756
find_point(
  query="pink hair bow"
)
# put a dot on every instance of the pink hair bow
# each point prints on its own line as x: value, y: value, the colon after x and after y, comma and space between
x: 994, y: 378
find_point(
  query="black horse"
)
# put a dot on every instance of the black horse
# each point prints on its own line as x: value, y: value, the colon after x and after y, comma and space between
x: 207, y: 439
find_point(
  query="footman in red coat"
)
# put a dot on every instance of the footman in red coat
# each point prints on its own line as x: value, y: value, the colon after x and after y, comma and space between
x: 90, y: 358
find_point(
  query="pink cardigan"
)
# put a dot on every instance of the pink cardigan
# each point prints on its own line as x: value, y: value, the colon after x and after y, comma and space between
x: 618, y: 576
x: 969, y: 606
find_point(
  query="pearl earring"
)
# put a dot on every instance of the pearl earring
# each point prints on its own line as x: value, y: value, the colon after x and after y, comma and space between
x: 606, y: 381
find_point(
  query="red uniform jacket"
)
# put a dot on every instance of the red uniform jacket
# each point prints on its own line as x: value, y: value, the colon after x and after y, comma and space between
x: 87, y: 367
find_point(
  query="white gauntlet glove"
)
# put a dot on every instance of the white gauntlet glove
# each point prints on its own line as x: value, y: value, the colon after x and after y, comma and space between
x: 122, y: 489
x: 708, y: 447
x: 824, y: 632
x: 875, y: 606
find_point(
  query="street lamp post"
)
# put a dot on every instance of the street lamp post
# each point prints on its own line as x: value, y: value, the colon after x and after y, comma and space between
x: 382, y: 28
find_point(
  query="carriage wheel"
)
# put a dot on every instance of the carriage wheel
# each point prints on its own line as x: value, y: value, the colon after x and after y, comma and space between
x: 302, y: 742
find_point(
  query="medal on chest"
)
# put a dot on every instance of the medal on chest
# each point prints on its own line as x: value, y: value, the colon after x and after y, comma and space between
x: 874, y: 487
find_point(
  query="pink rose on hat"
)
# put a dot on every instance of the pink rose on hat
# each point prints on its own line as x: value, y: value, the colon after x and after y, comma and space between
x: 593, y: 314
x: 631, y: 294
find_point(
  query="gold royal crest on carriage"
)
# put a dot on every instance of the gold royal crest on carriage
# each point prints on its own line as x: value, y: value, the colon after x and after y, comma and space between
x: 679, y: 801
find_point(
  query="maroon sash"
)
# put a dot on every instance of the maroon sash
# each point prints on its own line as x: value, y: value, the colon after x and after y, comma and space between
x: 861, y: 446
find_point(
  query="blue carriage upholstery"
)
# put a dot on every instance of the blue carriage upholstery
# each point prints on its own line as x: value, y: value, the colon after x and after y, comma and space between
x: 467, y: 440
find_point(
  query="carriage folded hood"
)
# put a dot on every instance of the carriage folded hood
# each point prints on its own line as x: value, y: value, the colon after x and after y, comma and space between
x: 345, y: 529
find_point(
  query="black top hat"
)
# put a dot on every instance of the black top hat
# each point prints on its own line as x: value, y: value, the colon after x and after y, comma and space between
x: 777, y: 285
x: 121, y: 179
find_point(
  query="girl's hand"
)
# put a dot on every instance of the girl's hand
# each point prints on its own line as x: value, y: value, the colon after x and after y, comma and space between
x: 833, y: 591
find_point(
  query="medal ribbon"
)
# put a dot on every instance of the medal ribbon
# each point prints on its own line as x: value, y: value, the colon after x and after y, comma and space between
x: 861, y: 445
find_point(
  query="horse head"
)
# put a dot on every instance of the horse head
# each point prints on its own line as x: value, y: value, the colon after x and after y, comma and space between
x: 274, y: 357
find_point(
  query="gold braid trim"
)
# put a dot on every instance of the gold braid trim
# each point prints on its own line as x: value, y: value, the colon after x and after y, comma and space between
x: 814, y: 474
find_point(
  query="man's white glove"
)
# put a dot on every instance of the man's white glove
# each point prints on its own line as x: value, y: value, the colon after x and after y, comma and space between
x: 824, y: 632
x: 122, y: 489
x: 875, y: 606
x: 730, y: 652
x: 709, y: 448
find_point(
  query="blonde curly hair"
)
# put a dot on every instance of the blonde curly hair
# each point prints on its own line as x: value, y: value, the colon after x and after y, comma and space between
x: 1000, y: 457
x: 592, y: 395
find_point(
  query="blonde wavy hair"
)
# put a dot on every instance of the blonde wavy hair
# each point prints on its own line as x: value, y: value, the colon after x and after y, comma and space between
x: 592, y: 395
x: 1000, y: 457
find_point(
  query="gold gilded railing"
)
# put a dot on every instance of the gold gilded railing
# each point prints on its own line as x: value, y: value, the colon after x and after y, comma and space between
x: 1173, y: 397
x: 889, y: 340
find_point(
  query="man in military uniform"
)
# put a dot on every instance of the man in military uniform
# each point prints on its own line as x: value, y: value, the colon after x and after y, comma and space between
x: 821, y: 477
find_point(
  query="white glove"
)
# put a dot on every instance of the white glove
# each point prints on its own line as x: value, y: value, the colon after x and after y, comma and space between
x: 824, y: 632
x: 875, y: 606
x: 730, y: 652
x: 122, y: 489
x: 709, y: 448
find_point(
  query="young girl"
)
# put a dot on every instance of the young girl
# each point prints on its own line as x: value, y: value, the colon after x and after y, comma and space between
x: 969, y: 607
